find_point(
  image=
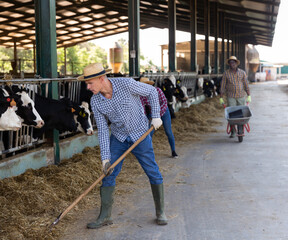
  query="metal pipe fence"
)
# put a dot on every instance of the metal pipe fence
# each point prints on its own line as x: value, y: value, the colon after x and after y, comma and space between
x: 13, y: 142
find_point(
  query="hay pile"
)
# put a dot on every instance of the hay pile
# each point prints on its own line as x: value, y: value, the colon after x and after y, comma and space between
x: 29, y: 203
x: 191, y: 123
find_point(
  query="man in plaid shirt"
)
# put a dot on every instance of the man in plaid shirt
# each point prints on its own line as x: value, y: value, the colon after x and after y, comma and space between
x: 164, y: 113
x: 118, y: 100
x: 235, y: 84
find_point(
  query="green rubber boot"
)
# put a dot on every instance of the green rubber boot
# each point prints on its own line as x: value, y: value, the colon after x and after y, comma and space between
x: 158, y: 195
x: 104, y: 217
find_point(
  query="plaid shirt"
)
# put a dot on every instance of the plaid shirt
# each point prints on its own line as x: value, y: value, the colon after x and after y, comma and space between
x: 124, y: 110
x: 162, y: 102
x: 235, y: 84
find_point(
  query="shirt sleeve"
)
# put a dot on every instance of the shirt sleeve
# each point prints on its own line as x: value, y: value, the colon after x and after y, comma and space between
x: 223, y: 84
x: 246, y: 83
x: 144, y: 103
x: 143, y: 89
x: 162, y: 101
x: 103, y: 134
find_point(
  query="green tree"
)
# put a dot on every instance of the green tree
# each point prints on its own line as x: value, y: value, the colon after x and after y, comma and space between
x: 79, y: 56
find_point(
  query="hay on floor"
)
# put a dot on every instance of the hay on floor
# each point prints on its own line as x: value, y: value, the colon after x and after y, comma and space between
x: 29, y: 203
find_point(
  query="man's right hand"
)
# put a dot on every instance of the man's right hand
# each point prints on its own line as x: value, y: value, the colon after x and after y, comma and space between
x: 156, y: 122
x: 221, y: 101
x: 106, y: 164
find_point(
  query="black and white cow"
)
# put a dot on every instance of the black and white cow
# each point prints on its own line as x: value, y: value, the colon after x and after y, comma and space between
x: 217, y: 83
x: 25, y: 107
x: 173, y: 92
x: 8, y: 117
x: 57, y: 114
x: 209, y: 89
x: 82, y: 117
x: 180, y: 92
x: 63, y: 115
x: 168, y: 89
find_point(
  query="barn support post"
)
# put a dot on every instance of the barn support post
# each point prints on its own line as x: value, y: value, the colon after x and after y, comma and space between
x: 207, y: 34
x: 15, y: 64
x: 134, y: 24
x: 65, y: 61
x: 228, y: 42
x: 216, y: 35
x: 46, y: 53
x: 34, y: 57
x: 223, y: 43
x: 172, y: 35
x: 193, y: 31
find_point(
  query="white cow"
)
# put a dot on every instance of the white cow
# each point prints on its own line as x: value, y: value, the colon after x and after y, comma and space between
x: 8, y: 117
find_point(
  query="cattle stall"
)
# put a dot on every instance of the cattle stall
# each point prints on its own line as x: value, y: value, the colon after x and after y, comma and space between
x: 188, y: 80
x: 12, y: 142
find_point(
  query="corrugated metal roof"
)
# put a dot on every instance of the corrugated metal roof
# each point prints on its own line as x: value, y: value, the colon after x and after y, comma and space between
x: 83, y: 20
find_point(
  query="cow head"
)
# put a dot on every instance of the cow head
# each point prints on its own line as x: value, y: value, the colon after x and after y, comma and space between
x: 66, y: 121
x: 82, y: 118
x: 25, y: 107
x: 8, y: 117
x: 168, y: 89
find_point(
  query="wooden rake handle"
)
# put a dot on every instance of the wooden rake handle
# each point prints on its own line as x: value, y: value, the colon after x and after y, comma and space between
x: 100, y: 178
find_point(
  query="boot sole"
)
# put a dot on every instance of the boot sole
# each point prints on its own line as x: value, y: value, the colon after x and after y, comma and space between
x: 161, y: 223
x: 101, y: 225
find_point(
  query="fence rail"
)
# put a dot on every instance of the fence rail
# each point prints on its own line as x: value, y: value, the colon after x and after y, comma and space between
x: 12, y: 142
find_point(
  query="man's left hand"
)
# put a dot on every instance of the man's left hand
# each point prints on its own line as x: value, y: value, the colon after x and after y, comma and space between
x: 105, y: 165
x: 156, y: 122
x: 248, y: 100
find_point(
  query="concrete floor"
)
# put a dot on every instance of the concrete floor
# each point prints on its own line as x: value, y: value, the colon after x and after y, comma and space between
x: 218, y: 189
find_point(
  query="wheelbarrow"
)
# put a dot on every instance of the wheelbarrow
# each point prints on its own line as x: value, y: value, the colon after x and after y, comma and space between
x: 238, y: 116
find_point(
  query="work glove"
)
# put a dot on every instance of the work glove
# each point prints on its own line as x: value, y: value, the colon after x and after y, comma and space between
x: 221, y: 101
x: 106, y: 164
x: 156, y: 122
x: 248, y: 100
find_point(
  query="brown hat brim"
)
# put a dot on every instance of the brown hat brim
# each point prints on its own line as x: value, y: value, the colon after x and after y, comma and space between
x: 238, y: 62
x: 149, y: 82
x: 82, y: 77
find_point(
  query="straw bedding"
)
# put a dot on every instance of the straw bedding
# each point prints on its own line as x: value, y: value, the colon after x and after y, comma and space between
x: 29, y: 203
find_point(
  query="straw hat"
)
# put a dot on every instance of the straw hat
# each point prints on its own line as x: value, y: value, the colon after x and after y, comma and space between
x: 146, y: 80
x: 232, y: 58
x: 92, y: 71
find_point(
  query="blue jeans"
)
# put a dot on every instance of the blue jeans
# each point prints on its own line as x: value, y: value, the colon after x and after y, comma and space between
x: 166, y: 119
x: 143, y: 152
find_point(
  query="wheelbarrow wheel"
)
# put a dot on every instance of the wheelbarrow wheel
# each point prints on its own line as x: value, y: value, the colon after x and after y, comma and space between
x: 240, y: 133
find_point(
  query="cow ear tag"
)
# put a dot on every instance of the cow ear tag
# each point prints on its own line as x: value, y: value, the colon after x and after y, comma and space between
x: 73, y: 110
x: 82, y: 114
x: 12, y: 103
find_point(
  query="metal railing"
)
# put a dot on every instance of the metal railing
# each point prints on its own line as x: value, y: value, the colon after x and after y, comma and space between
x: 187, y: 79
x: 15, y: 141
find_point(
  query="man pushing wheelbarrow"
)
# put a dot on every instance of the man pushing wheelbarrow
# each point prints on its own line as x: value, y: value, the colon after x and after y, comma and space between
x: 236, y: 87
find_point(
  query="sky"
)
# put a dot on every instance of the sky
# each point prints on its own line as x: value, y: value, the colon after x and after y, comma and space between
x: 150, y: 40
x: 278, y: 53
